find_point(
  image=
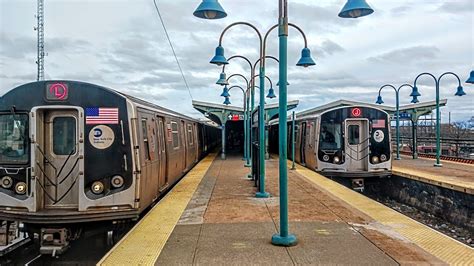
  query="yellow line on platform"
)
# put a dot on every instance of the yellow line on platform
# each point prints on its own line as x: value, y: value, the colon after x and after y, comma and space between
x: 435, y: 179
x: 144, y: 243
x: 449, y: 250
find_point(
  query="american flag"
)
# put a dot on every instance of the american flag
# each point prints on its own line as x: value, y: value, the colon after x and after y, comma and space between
x: 378, y: 123
x: 98, y: 115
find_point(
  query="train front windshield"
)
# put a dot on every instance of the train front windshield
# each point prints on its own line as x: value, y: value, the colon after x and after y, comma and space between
x: 330, y: 136
x: 13, y: 139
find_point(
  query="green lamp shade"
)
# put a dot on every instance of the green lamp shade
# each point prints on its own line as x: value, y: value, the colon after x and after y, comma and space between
x: 210, y: 9
x: 227, y: 101
x: 355, y: 9
x: 219, y: 58
x: 225, y: 92
x: 471, y: 78
x: 271, y: 93
x: 222, y: 79
x: 414, y: 92
x: 379, y: 100
x: 460, y: 91
x: 306, y: 60
x: 415, y: 99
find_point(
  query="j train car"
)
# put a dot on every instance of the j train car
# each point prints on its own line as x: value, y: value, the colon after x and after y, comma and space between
x: 351, y: 142
x: 73, y: 152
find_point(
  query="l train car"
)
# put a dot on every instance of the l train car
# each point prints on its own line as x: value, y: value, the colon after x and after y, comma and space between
x: 73, y: 152
x: 352, y: 142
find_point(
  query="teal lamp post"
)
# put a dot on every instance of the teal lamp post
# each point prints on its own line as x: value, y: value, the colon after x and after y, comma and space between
x: 210, y: 9
x: 250, y: 88
x: 397, y: 113
x: 354, y: 10
x: 459, y: 92
x: 246, y: 116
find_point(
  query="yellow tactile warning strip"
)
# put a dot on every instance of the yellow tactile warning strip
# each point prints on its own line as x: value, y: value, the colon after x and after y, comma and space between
x: 439, y: 245
x: 441, y: 181
x: 143, y: 244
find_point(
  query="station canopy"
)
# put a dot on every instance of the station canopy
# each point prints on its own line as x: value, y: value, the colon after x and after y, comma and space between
x: 408, y: 111
x: 221, y: 113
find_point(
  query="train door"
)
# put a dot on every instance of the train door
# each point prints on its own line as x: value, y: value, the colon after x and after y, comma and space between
x: 61, y: 157
x: 162, y: 155
x: 303, y: 143
x: 185, y: 145
x: 357, y: 145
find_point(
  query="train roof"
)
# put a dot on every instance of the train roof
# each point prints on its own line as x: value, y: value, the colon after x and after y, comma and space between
x: 133, y: 99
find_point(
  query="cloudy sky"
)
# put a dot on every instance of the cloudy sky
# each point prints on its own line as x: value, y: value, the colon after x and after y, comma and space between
x: 121, y: 44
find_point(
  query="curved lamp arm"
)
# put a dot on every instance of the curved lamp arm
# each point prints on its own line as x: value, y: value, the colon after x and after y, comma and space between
x: 236, y: 86
x: 239, y: 75
x: 266, y: 57
x: 449, y: 73
x: 276, y: 26
x: 246, y: 24
x: 405, y: 85
x: 387, y: 85
x: 271, y: 83
x: 241, y: 57
x: 422, y: 74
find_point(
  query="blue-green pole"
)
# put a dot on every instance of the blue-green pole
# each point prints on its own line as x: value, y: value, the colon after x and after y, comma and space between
x: 223, y: 140
x: 293, y: 142
x: 261, y: 135
x: 283, y: 238
x: 252, y: 106
x: 398, y: 123
x: 245, y: 128
x: 248, y: 132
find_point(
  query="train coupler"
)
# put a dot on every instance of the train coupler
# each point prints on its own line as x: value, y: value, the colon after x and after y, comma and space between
x: 54, y: 241
x: 358, y: 184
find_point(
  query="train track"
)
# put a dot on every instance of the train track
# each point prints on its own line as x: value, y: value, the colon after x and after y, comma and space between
x: 442, y: 157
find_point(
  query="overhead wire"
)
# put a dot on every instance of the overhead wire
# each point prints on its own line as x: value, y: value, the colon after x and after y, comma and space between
x: 172, y: 48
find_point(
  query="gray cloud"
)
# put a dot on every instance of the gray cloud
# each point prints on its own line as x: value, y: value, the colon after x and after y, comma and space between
x: 457, y: 7
x: 407, y: 55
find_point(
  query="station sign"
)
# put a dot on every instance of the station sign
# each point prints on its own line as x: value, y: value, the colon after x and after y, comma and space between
x: 235, y: 117
x: 402, y: 116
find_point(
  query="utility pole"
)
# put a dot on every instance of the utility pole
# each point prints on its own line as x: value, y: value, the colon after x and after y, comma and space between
x: 40, y: 43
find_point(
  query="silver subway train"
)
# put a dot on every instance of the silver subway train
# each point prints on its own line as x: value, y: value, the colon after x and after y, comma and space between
x: 73, y: 153
x: 350, y: 141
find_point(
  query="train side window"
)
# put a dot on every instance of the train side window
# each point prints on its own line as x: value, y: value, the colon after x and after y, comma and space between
x: 190, y: 134
x: 145, y: 139
x: 175, y: 132
x: 353, y: 134
x: 64, y: 135
x: 161, y: 135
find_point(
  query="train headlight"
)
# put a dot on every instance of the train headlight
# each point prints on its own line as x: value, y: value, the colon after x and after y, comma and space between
x: 97, y: 187
x: 336, y: 159
x: 383, y: 157
x: 6, y: 182
x: 375, y: 159
x: 117, y: 181
x: 20, y: 188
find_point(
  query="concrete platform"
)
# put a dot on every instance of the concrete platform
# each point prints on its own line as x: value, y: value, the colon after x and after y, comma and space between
x: 452, y: 175
x: 224, y: 224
